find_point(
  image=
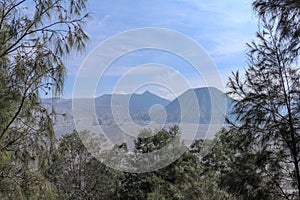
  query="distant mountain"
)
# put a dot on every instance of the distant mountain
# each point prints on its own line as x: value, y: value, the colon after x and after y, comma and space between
x: 138, y: 105
x: 213, y: 105
x: 143, y: 102
x: 136, y: 102
x: 193, y: 106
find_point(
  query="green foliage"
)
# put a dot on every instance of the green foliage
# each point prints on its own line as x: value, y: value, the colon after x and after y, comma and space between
x: 78, y: 175
x: 257, y: 157
x: 241, y: 170
x: 149, y: 141
x: 267, y: 106
x: 284, y: 13
x: 186, y: 178
x: 33, y: 47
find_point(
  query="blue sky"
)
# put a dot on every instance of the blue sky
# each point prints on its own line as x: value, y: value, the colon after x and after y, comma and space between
x: 221, y: 27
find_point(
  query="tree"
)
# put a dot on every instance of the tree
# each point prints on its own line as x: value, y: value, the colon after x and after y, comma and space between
x: 284, y: 13
x: 35, y: 38
x: 238, y: 169
x: 185, y: 178
x: 267, y: 105
x: 77, y: 174
x: 33, y: 47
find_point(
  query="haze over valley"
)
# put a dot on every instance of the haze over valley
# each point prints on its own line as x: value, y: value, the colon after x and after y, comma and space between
x: 147, y: 110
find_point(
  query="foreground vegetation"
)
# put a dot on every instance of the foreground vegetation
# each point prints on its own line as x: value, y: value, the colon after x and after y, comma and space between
x: 78, y: 175
x: 256, y: 157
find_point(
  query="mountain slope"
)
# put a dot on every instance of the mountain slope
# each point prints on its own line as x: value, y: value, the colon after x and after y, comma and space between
x: 198, y: 106
x: 138, y: 104
x: 208, y: 104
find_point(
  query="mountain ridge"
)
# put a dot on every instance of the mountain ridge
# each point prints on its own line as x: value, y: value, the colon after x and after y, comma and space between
x: 139, y: 106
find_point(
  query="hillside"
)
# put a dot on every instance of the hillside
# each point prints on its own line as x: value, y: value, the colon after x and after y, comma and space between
x: 139, y: 106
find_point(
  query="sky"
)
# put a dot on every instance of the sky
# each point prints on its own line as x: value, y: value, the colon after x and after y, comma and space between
x: 221, y: 28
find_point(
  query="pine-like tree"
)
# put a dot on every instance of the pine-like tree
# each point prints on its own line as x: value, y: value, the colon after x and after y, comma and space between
x: 35, y: 38
x: 268, y: 97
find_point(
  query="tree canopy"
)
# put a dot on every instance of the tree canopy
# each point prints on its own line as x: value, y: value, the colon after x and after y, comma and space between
x: 267, y: 106
x: 254, y: 157
x: 35, y: 39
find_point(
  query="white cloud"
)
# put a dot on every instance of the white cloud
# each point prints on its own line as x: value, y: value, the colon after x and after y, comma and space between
x: 117, y: 71
x: 102, y: 21
x: 221, y: 27
x: 230, y: 43
x: 233, y: 11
